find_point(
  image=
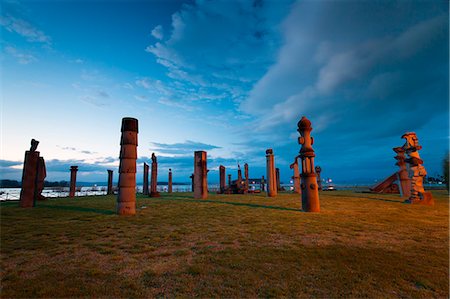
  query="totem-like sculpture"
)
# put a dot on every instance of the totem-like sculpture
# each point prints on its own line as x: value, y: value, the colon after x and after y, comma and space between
x: 246, y: 178
x: 416, y: 170
x: 262, y: 186
x: 271, y: 175
x: 296, y: 177
x: 200, y: 175
x: 229, y: 181
x: 126, y: 198
x: 239, y: 179
x: 192, y: 182
x: 169, y: 187
x: 277, y: 174
x: 154, y: 178
x: 33, y: 176
x: 73, y: 180
x: 222, y: 179
x: 110, y: 182
x: 319, y: 179
x: 145, y: 179
x: 402, y: 174
x: 310, y: 193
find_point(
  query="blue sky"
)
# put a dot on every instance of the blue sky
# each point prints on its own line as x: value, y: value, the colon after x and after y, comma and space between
x: 229, y: 77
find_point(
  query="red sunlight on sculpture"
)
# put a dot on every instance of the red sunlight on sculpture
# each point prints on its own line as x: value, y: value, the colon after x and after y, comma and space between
x: 310, y: 192
x: 126, y: 198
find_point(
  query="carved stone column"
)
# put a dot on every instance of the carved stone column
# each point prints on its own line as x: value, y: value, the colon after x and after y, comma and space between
x: 145, y: 180
x: 200, y: 175
x: 319, y: 179
x: 246, y: 178
x: 310, y: 193
x: 262, y: 184
x: 271, y: 175
x: 73, y: 180
x: 169, y: 187
x: 29, y: 178
x: 126, y: 199
x: 110, y: 182
x: 154, y: 178
x: 222, y: 178
x: 296, y: 177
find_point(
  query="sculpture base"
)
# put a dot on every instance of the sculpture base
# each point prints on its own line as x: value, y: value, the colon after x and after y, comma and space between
x: 126, y: 208
x: 427, y: 200
x: 155, y: 194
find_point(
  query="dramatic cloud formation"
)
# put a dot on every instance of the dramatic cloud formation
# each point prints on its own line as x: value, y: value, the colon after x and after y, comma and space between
x: 187, y: 147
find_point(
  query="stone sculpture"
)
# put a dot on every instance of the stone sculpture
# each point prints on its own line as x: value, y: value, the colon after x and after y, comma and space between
x: 126, y: 198
x: 200, y: 175
x: 262, y: 184
x: 239, y: 179
x: 416, y: 170
x: 271, y: 175
x: 110, y: 182
x: 154, y: 178
x: 296, y: 177
x: 192, y: 182
x: 319, y: 179
x: 310, y: 193
x: 73, y: 180
x: 169, y: 187
x: 277, y: 174
x: 33, y: 176
x: 222, y: 179
x: 402, y: 174
x: 229, y: 180
x: 145, y: 179
x: 246, y: 185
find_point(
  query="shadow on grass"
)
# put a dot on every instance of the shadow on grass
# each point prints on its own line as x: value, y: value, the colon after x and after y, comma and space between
x: 78, y: 209
x: 189, y: 199
x: 367, y: 197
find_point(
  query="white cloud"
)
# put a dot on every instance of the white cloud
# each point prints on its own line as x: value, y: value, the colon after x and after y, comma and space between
x: 158, y: 32
x: 22, y: 58
x: 24, y: 29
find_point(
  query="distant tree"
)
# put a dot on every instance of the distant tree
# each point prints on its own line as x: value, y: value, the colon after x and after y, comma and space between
x: 9, y: 184
x: 446, y: 166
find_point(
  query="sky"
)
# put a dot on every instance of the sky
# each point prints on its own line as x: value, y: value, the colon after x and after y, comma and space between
x: 229, y: 77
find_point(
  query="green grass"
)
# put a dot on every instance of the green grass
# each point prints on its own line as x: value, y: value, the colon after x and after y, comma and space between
x: 360, y: 245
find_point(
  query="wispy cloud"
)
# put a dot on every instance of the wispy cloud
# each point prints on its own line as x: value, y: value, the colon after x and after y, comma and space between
x: 25, y: 29
x: 22, y: 58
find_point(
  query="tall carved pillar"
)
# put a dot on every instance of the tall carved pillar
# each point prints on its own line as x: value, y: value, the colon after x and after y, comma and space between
x: 29, y: 177
x: 145, y: 180
x: 239, y: 177
x: 200, y: 175
x: 73, y: 180
x: 229, y: 181
x: 271, y: 175
x: 246, y: 178
x: 262, y: 184
x: 310, y: 193
x: 319, y: 179
x: 169, y: 187
x: 126, y: 199
x: 154, y: 178
x: 296, y: 177
x: 222, y: 178
x: 192, y: 182
x: 277, y: 175
x: 402, y: 174
x: 110, y: 182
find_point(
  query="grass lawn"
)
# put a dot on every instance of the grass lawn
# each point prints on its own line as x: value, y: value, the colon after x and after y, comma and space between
x: 360, y: 245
